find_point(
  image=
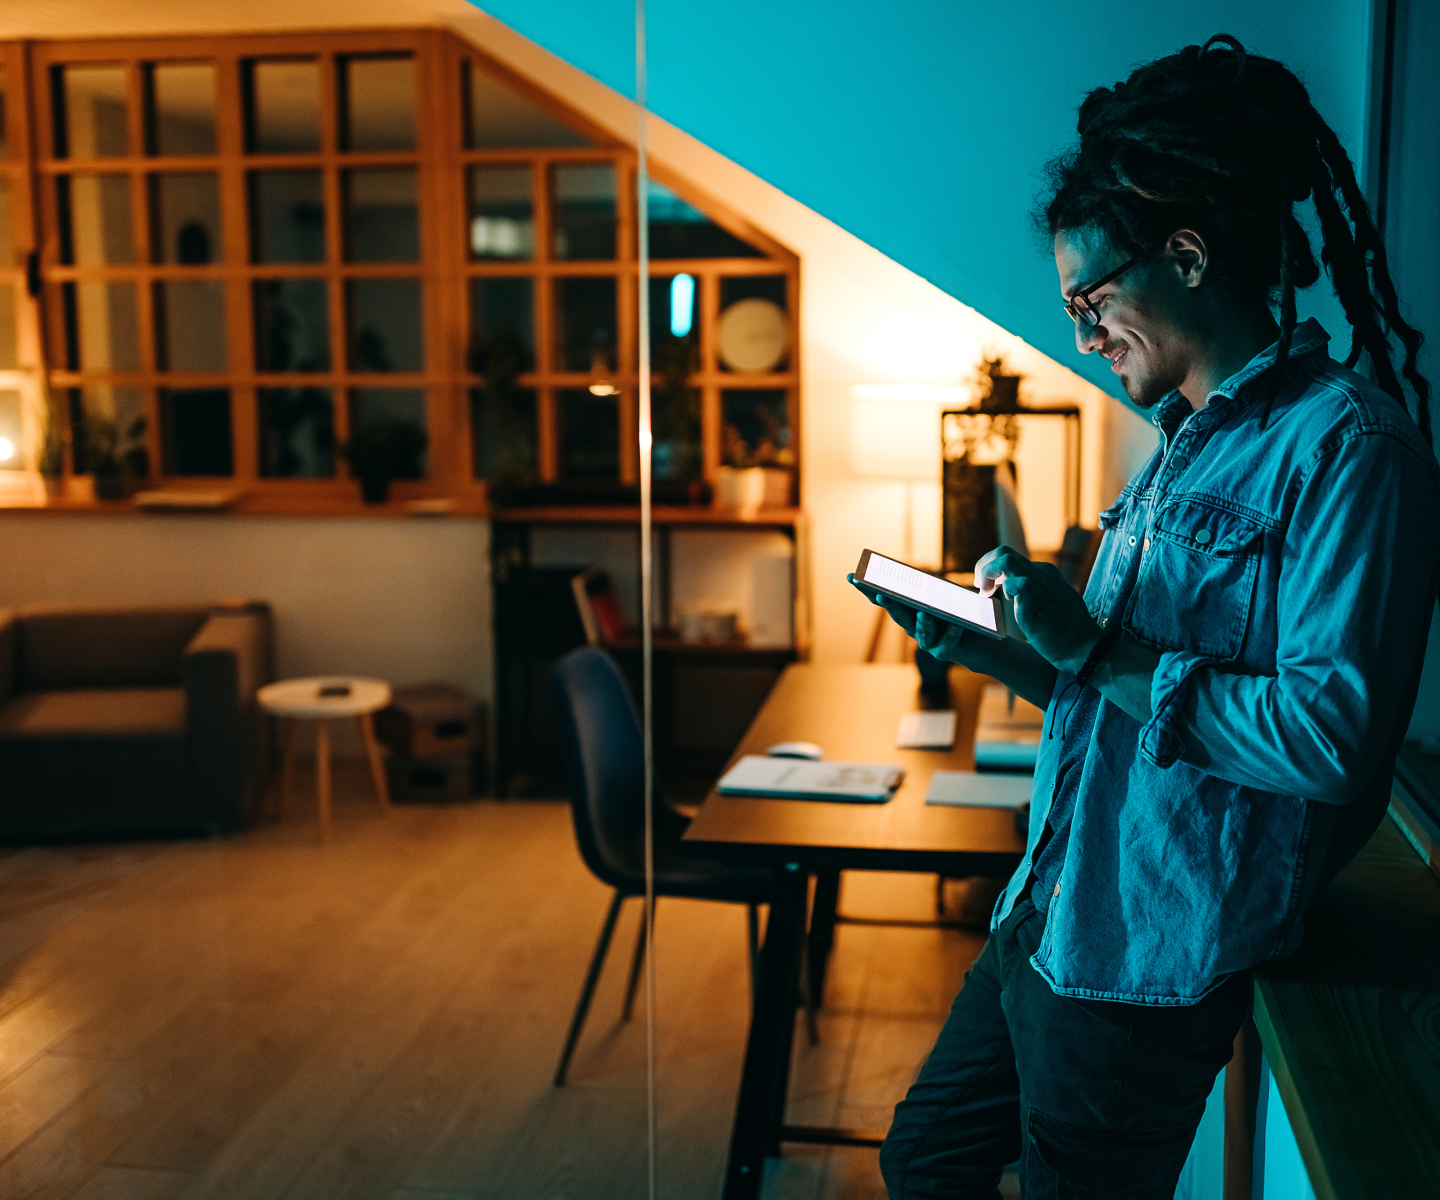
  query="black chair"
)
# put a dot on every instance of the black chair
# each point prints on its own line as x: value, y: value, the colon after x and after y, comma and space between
x: 604, y: 761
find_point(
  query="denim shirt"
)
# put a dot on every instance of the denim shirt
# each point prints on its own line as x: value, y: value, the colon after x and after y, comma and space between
x: 1286, y: 575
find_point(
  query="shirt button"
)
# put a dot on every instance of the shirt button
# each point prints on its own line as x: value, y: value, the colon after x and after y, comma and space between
x: 1203, y: 537
x: 1147, y: 544
x: 1057, y: 889
x: 1132, y: 540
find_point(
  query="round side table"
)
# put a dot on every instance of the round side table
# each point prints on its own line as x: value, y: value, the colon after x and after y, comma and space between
x: 322, y: 698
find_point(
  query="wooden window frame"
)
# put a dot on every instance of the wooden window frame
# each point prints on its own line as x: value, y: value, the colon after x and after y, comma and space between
x: 445, y: 266
x: 26, y: 377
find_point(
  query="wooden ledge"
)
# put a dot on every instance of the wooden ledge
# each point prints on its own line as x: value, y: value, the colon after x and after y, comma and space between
x: 1351, y: 1028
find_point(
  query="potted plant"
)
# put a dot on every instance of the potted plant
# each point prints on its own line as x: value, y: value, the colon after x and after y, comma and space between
x: 381, y: 451
x: 51, y: 462
x: 115, y: 457
x: 975, y: 442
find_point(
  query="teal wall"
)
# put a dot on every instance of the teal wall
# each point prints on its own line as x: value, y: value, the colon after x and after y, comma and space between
x: 920, y: 126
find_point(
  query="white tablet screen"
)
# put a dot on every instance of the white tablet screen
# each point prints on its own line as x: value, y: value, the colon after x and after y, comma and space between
x: 929, y: 590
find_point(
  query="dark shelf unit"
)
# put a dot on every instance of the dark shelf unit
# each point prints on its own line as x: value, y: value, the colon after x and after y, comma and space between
x: 705, y: 695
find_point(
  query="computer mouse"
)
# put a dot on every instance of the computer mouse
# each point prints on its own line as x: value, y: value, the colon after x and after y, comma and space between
x: 796, y: 750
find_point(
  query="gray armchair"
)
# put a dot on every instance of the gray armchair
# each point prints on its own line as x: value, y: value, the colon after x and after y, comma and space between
x: 117, y: 721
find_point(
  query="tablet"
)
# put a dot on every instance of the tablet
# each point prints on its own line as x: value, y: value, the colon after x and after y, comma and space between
x: 949, y: 601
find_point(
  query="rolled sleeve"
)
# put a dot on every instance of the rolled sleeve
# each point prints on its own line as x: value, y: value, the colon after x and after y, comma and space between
x: 1160, y: 739
x: 1355, y: 591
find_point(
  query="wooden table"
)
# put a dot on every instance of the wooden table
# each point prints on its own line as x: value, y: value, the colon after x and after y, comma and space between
x: 852, y: 712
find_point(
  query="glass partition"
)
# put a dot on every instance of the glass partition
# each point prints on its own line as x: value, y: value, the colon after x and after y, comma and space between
x: 190, y: 325
x: 497, y: 117
x: 185, y: 218
x: 195, y: 432
x: 287, y: 216
x: 589, y: 436
x: 96, y: 101
x: 292, y: 325
x: 379, y: 102
x: 386, y: 325
x: 97, y: 223
x: 502, y: 325
x: 382, y: 211
x: 585, y: 217
x: 182, y: 108
x: 502, y: 213
x: 283, y: 114
x: 297, y: 433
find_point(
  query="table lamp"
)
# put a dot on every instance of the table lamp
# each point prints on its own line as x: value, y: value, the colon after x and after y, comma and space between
x: 895, y: 434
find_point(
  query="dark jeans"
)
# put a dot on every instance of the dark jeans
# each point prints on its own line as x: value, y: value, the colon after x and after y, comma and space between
x: 1096, y: 1099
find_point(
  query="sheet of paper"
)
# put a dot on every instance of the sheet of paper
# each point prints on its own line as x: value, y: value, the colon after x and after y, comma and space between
x: 932, y: 730
x: 979, y: 791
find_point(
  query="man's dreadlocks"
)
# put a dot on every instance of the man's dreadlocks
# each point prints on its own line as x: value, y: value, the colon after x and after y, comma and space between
x: 1225, y: 143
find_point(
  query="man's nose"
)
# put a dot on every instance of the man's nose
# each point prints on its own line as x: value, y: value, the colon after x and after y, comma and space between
x: 1089, y: 338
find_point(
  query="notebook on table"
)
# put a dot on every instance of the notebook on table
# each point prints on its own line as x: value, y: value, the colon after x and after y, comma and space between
x: 798, y: 779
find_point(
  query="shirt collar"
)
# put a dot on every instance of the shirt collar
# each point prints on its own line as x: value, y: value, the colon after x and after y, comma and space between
x: 1308, y: 339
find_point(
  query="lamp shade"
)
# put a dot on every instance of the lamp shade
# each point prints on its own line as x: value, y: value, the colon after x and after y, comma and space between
x: 897, y: 439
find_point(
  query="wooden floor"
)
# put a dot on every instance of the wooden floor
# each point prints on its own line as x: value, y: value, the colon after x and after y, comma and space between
x: 266, y: 1017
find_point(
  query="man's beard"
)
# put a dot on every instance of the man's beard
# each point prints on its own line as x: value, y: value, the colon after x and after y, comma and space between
x: 1144, y: 390
x: 1145, y: 394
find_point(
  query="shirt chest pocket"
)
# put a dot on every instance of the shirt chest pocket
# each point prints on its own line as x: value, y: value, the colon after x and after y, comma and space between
x: 1107, y: 572
x: 1197, y: 580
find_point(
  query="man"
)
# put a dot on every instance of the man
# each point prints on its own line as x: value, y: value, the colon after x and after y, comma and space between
x: 1224, y: 705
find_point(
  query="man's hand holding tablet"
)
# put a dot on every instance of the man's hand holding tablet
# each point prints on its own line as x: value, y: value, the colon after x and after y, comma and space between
x: 949, y: 638
x: 930, y: 594
x: 1049, y: 612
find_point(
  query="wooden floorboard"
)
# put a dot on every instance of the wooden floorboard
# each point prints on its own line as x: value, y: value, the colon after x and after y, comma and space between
x: 268, y: 1018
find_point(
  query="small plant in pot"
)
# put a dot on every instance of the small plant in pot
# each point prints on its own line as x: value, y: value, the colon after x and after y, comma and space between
x: 381, y: 451
x: 51, y: 462
x: 115, y: 457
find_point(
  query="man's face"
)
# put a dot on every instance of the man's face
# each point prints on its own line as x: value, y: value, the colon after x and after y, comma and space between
x: 1140, y: 330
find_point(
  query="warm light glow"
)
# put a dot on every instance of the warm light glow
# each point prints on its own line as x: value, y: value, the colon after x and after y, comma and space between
x: 682, y: 304
x: 925, y: 393
x: 647, y: 440
x: 7, y: 449
x: 912, y: 341
x: 600, y: 382
x: 898, y: 441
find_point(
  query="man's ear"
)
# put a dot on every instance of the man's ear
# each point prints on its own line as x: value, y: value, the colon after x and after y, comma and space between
x: 1187, y: 250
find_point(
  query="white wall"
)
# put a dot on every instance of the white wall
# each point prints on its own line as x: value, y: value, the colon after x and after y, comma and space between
x: 404, y: 600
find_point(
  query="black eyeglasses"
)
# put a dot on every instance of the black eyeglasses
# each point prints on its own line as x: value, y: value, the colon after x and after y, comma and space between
x: 1079, y: 306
